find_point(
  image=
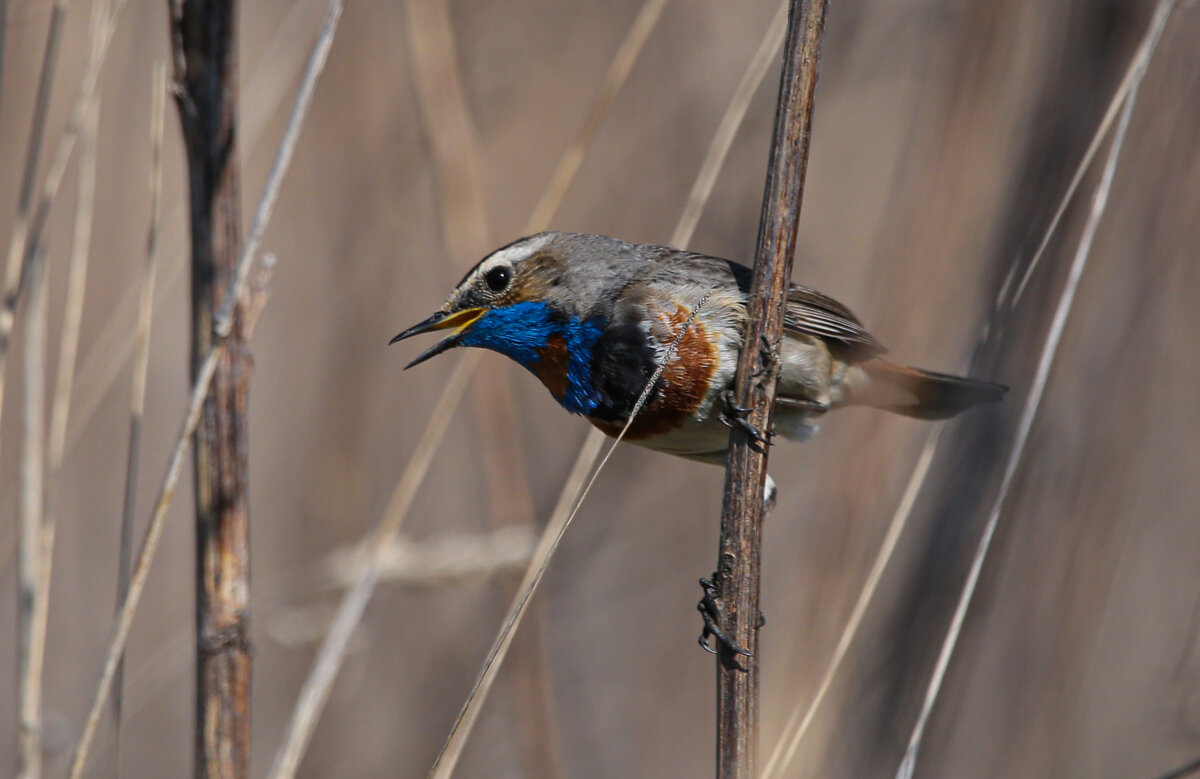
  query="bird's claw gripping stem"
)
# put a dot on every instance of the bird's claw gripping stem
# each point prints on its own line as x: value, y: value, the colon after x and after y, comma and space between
x: 711, y: 612
x: 734, y: 417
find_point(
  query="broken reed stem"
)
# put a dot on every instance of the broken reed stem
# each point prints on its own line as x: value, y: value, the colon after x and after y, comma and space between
x: 141, y: 366
x: 739, y: 558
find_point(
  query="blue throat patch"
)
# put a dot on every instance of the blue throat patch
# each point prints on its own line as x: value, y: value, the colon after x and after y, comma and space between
x: 520, y: 330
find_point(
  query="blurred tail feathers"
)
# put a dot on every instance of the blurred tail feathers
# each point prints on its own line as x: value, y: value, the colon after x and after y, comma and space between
x: 922, y: 394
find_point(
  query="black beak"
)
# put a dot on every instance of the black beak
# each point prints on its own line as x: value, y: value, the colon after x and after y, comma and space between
x: 422, y: 327
x: 440, y: 321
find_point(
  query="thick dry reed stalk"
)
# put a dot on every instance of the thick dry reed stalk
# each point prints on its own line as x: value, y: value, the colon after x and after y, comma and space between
x: 315, y: 691
x: 204, y: 47
x: 803, y: 715
x: 738, y: 574
x: 222, y: 323
x: 1028, y: 414
x: 141, y: 367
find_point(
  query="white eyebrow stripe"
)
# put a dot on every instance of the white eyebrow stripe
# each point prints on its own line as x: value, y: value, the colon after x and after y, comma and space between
x: 510, y: 255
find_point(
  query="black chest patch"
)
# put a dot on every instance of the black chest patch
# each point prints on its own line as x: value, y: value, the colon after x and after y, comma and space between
x: 623, y: 360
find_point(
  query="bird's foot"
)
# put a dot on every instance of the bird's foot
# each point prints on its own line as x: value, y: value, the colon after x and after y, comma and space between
x: 734, y: 417
x: 710, y: 610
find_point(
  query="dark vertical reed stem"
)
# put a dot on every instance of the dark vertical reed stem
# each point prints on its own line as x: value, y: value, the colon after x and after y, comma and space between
x: 739, y: 561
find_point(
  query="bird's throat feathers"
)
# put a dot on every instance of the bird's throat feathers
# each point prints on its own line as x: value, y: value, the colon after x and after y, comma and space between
x: 555, y: 348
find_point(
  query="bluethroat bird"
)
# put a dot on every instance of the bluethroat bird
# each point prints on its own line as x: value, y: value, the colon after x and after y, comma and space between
x: 593, y: 317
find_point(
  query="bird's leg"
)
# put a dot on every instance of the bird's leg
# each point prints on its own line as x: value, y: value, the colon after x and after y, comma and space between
x: 734, y: 417
x: 710, y: 610
x: 768, y: 354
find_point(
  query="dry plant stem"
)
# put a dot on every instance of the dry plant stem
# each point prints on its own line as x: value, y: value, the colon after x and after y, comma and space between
x: 141, y: 366
x: 262, y: 216
x: 26, y: 234
x: 739, y: 557
x: 1025, y: 424
x: 1149, y: 42
x: 315, y: 691
x: 101, y: 37
x: 141, y: 569
x: 802, y: 716
x: 72, y: 311
x: 31, y: 647
x: 68, y: 348
x: 36, y: 528
x: 113, y: 346
x: 16, y: 251
x: 204, y: 44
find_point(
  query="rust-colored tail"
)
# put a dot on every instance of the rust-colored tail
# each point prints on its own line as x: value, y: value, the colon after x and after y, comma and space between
x: 922, y: 394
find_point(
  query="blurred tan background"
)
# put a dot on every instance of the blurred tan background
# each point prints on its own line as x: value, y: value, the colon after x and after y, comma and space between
x: 944, y: 137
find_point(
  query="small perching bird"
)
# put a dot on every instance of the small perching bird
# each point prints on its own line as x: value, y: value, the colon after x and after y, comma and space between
x: 593, y: 317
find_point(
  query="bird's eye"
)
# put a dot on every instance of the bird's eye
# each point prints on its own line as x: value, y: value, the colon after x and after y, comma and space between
x: 497, y: 278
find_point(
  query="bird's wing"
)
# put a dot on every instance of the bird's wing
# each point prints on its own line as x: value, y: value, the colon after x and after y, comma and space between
x: 811, y: 313
x: 808, y: 312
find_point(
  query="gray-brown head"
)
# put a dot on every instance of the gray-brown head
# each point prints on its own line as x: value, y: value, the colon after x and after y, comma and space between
x: 532, y: 288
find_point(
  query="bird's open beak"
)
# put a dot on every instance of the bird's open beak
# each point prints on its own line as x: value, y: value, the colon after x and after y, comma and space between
x: 460, y: 320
